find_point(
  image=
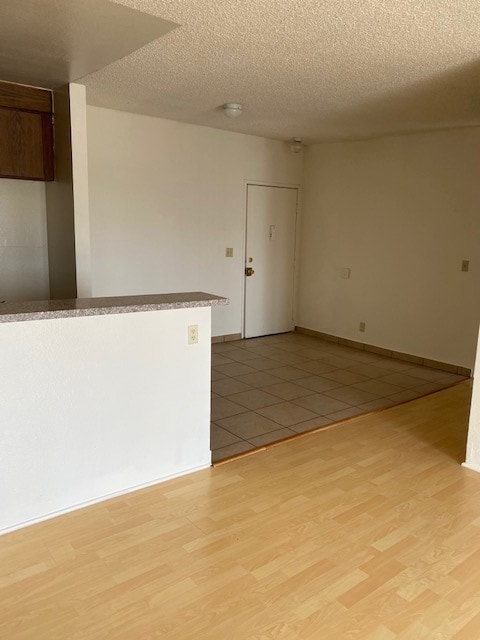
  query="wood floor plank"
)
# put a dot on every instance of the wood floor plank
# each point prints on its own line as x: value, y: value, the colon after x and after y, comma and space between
x: 368, y: 530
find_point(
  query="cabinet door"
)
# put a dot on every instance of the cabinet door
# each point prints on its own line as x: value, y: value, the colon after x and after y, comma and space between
x: 26, y: 145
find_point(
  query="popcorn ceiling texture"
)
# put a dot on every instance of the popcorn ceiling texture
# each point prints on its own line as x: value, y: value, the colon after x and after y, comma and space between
x: 325, y: 70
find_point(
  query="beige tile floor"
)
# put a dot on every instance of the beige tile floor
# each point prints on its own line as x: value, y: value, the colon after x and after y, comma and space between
x: 270, y: 388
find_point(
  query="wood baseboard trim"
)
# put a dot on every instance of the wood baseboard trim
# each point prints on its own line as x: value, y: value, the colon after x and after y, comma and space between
x: 387, y: 353
x: 230, y: 337
x: 238, y: 456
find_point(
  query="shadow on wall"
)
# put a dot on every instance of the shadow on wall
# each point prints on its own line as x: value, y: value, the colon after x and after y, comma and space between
x: 448, y: 100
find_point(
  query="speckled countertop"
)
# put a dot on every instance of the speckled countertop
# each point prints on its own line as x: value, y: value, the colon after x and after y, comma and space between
x: 77, y: 307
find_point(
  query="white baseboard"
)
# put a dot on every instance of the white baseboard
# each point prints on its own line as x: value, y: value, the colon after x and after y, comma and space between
x: 472, y: 467
x: 82, y: 505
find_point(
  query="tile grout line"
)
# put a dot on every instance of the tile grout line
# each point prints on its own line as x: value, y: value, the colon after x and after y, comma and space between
x: 290, y: 347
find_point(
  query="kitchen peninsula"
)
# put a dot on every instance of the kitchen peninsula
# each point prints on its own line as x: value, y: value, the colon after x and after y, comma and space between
x: 100, y: 396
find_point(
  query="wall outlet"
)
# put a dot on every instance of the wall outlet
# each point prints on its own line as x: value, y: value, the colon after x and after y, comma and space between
x: 362, y: 326
x: 345, y: 273
x: 229, y: 252
x: 465, y: 265
x: 193, y: 334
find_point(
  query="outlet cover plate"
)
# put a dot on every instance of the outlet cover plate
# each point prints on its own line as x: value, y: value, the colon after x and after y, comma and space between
x: 193, y: 334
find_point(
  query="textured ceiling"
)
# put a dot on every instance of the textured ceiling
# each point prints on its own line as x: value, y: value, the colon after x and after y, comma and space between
x: 51, y: 42
x: 321, y: 69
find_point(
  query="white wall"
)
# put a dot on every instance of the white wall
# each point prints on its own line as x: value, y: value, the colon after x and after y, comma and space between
x: 473, y: 441
x: 167, y: 198
x: 99, y: 405
x: 23, y: 241
x: 401, y: 213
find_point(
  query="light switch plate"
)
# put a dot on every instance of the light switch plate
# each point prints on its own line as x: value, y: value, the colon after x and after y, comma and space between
x: 465, y: 265
x: 229, y: 252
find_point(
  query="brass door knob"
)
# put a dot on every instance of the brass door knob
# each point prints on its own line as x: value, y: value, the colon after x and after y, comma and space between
x: 249, y: 271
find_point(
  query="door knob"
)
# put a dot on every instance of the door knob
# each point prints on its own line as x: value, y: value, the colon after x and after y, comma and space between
x: 249, y: 271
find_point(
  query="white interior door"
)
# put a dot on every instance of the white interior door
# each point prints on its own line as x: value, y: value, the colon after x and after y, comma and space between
x: 270, y: 254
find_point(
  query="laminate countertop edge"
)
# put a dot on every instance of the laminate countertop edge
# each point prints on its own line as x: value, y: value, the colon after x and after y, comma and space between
x: 82, y: 307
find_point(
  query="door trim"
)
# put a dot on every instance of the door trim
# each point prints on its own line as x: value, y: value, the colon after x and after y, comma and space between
x: 282, y: 185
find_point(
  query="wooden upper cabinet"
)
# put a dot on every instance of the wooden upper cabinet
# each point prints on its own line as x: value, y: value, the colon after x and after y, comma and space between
x: 26, y: 132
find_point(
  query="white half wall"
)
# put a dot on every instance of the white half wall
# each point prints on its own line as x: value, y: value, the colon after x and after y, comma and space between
x: 95, y: 406
x: 23, y: 241
x: 167, y: 199
x: 401, y: 213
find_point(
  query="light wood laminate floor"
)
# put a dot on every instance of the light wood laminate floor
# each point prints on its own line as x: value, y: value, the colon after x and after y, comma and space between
x: 366, y: 530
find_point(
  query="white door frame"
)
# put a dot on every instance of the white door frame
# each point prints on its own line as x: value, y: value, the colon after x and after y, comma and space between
x: 285, y: 185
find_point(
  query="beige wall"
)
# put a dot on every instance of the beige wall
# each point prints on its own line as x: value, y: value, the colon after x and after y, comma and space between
x: 167, y: 199
x: 60, y: 209
x: 81, y: 198
x: 401, y: 213
x: 23, y: 241
x: 68, y: 198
